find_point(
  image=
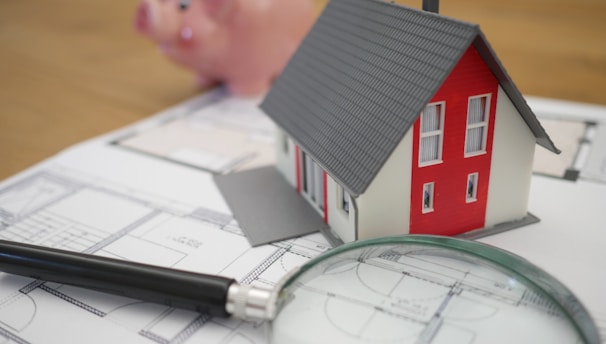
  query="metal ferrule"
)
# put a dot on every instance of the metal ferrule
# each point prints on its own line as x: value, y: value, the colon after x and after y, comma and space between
x: 250, y: 303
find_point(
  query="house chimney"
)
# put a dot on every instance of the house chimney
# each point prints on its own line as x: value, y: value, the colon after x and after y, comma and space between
x: 431, y: 5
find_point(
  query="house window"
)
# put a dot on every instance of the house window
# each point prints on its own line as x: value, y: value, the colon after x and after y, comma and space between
x: 285, y: 147
x: 477, y: 125
x: 472, y: 187
x: 304, y: 177
x: 312, y: 178
x: 432, y: 132
x: 428, y: 197
x: 344, y: 199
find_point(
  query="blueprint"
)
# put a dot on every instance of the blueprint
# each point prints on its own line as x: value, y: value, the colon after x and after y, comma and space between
x: 146, y: 193
x: 72, y: 202
x: 579, y: 130
x: 400, y: 294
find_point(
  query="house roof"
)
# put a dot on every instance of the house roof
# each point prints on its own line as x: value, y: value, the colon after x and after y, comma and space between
x: 362, y: 76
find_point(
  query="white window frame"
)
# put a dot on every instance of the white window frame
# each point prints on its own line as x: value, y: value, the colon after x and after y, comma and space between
x: 428, y: 188
x: 482, y: 124
x: 439, y: 133
x: 472, y: 178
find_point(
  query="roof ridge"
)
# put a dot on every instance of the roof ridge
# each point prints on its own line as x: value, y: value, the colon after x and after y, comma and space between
x: 421, y: 12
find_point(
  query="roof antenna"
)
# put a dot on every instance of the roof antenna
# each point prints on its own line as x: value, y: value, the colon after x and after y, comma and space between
x: 431, y: 5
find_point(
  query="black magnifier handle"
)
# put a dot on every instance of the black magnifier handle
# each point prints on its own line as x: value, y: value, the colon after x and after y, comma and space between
x: 214, y: 295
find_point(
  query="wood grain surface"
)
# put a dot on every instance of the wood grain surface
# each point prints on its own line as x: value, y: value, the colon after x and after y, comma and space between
x: 73, y: 69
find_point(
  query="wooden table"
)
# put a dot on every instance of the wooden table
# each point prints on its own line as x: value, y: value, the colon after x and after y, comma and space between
x: 73, y: 69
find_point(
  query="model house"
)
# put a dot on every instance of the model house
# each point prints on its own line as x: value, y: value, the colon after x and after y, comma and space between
x: 394, y: 120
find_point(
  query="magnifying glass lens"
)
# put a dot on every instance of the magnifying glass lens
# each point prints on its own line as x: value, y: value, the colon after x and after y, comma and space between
x: 426, y: 290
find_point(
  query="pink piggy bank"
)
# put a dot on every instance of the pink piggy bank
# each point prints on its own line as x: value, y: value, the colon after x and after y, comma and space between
x: 244, y: 44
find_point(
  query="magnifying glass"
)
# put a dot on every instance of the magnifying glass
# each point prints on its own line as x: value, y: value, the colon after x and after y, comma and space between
x: 404, y: 289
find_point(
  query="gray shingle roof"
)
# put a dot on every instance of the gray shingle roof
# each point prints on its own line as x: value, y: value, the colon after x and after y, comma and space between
x: 361, y: 77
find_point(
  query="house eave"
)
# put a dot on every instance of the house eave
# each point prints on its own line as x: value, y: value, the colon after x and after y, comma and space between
x: 505, y: 81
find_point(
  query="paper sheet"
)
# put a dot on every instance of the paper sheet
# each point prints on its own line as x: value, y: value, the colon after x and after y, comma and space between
x: 102, y: 199
x: 108, y: 196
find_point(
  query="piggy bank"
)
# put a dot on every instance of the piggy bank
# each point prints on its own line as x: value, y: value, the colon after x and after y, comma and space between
x: 244, y: 44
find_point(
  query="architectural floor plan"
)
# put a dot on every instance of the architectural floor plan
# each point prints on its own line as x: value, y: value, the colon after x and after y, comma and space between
x: 421, y: 295
x: 60, y: 207
x: 146, y: 193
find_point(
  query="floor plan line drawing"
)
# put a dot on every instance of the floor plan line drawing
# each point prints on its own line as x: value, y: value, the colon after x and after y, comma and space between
x: 65, y: 209
x: 71, y: 300
x: 107, y: 210
x: 253, y: 275
x: 31, y: 286
x: 21, y: 204
x: 457, y: 282
x: 429, y: 297
x: 12, y: 337
x: 116, y: 236
x: 218, y: 119
x: 187, y: 332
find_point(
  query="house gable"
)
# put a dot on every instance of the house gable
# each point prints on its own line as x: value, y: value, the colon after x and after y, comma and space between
x: 511, y: 165
x: 453, y: 211
x: 483, y: 47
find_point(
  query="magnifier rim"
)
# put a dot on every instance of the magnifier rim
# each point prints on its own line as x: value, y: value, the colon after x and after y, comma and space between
x: 523, y: 270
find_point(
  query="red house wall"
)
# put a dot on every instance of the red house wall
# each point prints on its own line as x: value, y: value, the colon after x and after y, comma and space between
x: 452, y: 214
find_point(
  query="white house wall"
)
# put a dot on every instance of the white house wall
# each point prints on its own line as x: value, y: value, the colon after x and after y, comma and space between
x: 384, y: 209
x: 511, y: 166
